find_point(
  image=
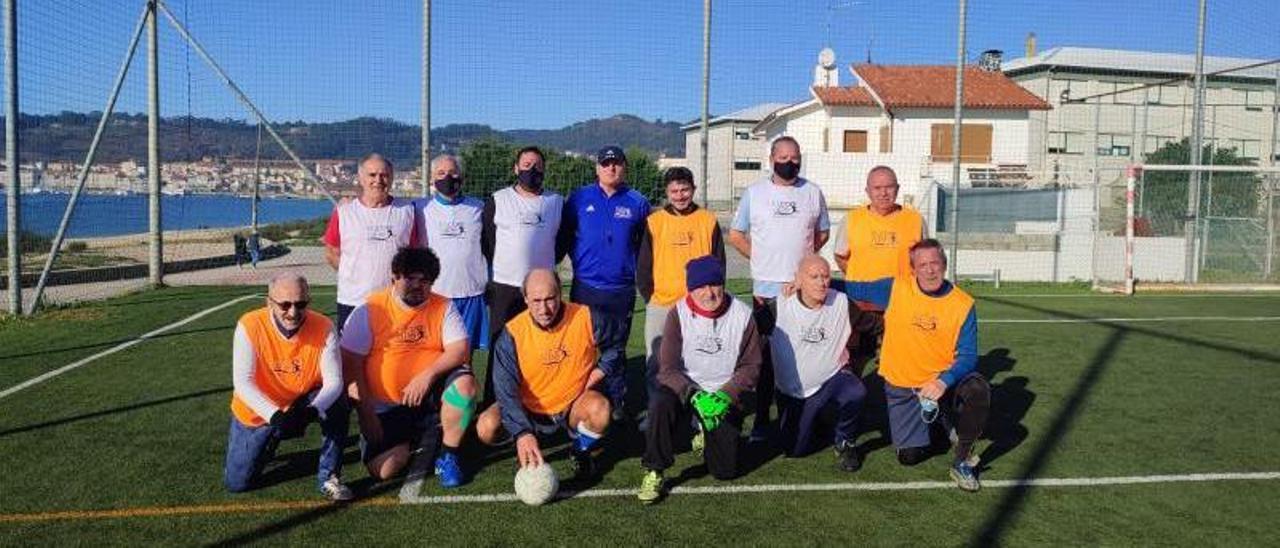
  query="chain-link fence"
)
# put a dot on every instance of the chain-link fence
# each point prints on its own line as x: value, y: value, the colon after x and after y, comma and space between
x: 1029, y: 186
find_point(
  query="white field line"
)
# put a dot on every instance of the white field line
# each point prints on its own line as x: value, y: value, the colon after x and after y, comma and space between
x: 1137, y: 320
x: 869, y: 486
x: 117, y: 348
x: 1140, y: 296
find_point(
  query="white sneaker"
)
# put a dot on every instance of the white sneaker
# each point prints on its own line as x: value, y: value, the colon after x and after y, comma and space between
x: 335, y: 490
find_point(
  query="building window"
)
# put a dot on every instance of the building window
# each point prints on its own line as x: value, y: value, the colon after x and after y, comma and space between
x: 975, y: 143
x: 1252, y: 99
x: 1114, y: 145
x: 746, y: 165
x: 1247, y: 149
x: 1065, y: 142
x: 742, y: 135
x: 855, y: 140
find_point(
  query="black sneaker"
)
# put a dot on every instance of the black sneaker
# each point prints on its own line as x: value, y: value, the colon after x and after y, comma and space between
x: 849, y: 460
x: 584, y: 466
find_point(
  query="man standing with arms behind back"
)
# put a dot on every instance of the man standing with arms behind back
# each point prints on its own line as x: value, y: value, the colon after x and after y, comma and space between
x: 676, y: 234
x: 781, y: 219
x: 449, y: 221
x: 872, y: 243
x: 601, y: 230
x: 365, y: 233
x: 519, y: 224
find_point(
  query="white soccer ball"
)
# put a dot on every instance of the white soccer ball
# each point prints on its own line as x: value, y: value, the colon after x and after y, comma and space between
x: 535, y: 485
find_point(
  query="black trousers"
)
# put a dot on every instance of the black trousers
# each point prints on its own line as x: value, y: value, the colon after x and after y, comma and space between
x: 505, y: 302
x: 668, y: 414
x: 765, y: 312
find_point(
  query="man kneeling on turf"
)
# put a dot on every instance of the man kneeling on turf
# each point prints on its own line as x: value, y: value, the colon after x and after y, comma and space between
x: 286, y: 374
x: 546, y: 376
x: 709, y: 356
x: 928, y: 362
x: 815, y: 337
x: 404, y: 351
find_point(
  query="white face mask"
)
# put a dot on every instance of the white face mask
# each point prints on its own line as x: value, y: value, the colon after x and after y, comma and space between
x: 929, y: 409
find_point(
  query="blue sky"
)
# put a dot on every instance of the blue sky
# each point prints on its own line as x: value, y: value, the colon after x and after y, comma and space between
x: 531, y: 64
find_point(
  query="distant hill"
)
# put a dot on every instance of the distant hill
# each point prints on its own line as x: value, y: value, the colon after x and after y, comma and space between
x: 66, y: 137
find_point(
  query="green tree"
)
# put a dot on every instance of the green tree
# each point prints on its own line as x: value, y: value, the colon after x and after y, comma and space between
x: 1164, y: 193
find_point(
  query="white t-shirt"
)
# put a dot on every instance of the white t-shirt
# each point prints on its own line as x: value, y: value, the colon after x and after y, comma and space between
x: 524, y: 233
x: 452, y: 231
x: 368, y: 239
x: 357, y: 336
x: 710, y: 346
x: 808, y: 345
x: 781, y: 221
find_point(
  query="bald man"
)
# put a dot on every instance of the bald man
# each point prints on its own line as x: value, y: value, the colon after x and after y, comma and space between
x: 548, y: 376
x: 816, y: 333
x: 286, y: 374
x: 872, y: 243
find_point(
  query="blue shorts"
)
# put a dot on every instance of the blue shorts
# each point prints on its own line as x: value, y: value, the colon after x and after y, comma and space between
x: 475, y: 316
x: 906, y: 425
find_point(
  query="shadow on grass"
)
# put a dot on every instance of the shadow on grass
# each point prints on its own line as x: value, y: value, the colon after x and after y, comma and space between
x: 114, y: 342
x: 113, y: 411
x: 1011, y: 502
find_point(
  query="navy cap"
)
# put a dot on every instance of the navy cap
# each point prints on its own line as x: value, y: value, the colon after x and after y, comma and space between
x: 705, y: 270
x: 611, y: 152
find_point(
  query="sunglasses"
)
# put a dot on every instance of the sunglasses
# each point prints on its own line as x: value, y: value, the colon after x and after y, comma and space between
x: 285, y: 305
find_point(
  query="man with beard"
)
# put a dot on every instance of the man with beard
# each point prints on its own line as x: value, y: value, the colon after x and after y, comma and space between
x: 405, y: 350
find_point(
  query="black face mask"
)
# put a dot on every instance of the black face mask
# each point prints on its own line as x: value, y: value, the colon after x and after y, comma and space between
x: 787, y: 170
x: 531, y: 180
x: 448, y: 186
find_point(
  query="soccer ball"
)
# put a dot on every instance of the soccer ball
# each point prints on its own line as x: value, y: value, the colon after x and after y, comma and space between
x: 535, y: 485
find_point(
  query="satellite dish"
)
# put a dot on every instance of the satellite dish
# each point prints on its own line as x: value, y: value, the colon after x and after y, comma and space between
x: 827, y: 58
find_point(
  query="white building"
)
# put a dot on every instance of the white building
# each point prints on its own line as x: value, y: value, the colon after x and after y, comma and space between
x: 733, y: 152
x: 1136, y: 102
x: 901, y: 116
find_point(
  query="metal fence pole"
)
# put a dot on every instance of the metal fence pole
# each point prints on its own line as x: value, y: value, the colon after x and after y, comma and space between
x: 1097, y: 195
x: 155, y: 258
x: 958, y: 119
x: 13, y: 194
x: 88, y: 161
x: 425, y: 168
x: 706, y: 96
x: 1197, y: 115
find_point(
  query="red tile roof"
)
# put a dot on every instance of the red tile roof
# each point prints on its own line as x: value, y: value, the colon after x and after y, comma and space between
x: 847, y: 96
x: 933, y: 86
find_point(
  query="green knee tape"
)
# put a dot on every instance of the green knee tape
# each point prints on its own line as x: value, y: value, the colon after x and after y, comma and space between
x: 464, y: 403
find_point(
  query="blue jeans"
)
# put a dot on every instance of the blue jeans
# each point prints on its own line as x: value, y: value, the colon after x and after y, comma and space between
x: 249, y: 449
x: 611, y: 310
x: 844, y: 392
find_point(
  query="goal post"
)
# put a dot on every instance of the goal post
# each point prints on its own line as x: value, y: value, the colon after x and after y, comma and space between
x: 1197, y: 227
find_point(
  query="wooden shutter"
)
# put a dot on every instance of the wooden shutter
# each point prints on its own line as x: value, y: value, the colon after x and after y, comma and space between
x: 855, y: 141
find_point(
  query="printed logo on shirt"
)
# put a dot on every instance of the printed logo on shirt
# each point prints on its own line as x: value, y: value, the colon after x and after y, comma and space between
x: 884, y: 238
x: 621, y: 212
x: 814, y: 335
x: 925, y: 322
x: 531, y: 218
x: 682, y: 238
x: 591, y: 208
x: 379, y: 233
x: 553, y: 356
x: 709, y: 344
x: 785, y: 208
x: 291, y: 367
x: 411, y: 334
x: 454, y: 230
